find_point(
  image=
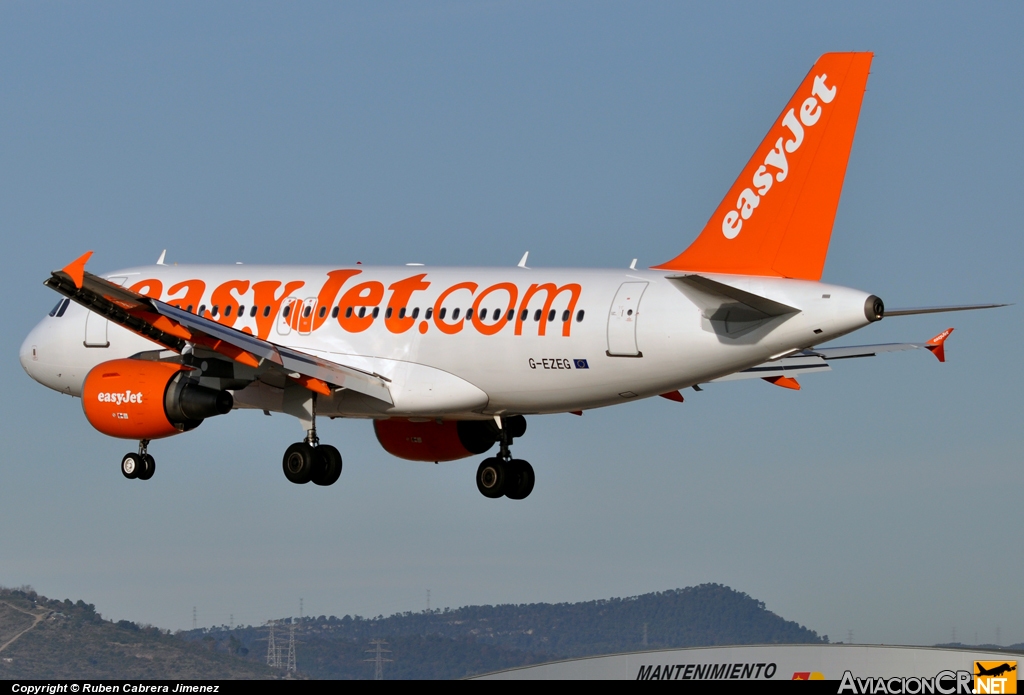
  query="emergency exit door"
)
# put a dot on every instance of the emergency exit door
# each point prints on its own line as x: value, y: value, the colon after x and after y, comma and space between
x: 622, y: 319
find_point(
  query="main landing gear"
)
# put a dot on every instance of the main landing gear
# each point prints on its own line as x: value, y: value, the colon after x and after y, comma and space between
x: 502, y: 475
x: 311, y: 461
x: 140, y: 465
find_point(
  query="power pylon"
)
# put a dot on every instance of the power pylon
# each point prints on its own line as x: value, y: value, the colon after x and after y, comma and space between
x: 273, y: 655
x: 291, y: 649
x: 378, y: 658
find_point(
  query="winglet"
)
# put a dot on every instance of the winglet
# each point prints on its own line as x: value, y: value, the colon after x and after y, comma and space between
x: 937, y: 344
x: 76, y: 269
x: 786, y: 382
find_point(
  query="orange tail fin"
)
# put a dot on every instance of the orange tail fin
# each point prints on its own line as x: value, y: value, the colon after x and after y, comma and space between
x: 777, y: 218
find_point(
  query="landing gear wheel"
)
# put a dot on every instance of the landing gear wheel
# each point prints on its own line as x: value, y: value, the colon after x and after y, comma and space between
x: 298, y: 463
x: 148, y: 467
x: 328, y: 467
x: 491, y: 477
x: 131, y: 464
x: 520, y: 479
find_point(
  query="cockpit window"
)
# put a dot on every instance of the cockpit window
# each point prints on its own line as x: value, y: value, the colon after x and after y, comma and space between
x: 62, y: 306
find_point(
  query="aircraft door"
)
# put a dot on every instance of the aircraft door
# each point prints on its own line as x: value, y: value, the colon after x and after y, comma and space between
x: 305, y: 321
x: 96, y: 324
x: 622, y: 320
x: 289, y: 308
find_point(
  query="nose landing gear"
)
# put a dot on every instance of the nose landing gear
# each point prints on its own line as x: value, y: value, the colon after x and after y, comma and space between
x: 502, y: 475
x: 140, y: 465
x: 310, y: 461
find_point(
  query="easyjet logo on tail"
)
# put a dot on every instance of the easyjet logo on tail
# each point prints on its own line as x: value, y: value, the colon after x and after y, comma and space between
x: 785, y: 198
x: 776, y: 165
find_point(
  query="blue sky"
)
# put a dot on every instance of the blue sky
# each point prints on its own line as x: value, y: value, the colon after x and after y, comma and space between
x: 881, y: 498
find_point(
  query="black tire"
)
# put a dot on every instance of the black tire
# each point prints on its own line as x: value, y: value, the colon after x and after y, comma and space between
x: 328, y: 468
x: 148, y: 467
x: 520, y: 480
x: 491, y: 477
x: 131, y: 464
x: 298, y: 463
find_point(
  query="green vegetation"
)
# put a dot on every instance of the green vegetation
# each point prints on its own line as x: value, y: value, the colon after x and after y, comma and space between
x: 43, y: 638
x: 61, y: 639
x: 477, y: 639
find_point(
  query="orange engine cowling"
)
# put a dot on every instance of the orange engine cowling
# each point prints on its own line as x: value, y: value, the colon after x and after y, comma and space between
x: 432, y: 441
x: 138, y: 399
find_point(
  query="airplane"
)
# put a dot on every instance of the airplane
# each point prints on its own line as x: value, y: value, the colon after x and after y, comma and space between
x: 995, y: 671
x: 448, y: 362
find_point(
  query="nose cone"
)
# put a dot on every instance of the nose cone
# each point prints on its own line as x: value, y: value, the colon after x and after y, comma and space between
x: 29, y: 353
x: 48, y: 354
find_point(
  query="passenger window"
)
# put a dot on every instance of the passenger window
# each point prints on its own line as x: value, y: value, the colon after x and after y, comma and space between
x: 551, y: 315
x: 189, y: 310
x: 348, y: 313
x: 579, y: 315
x: 387, y: 314
x: 497, y: 315
x: 376, y: 311
x: 266, y: 310
x: 483, y: 314
x: 213, y: 311
x: 252, y: 312
x: 227, y: 310
x: 511, y: 314
x: 306, y: 312
x: 362, y: 311
x: 469, y: 314
x: 455, y: 314
x: 401, y: 313
x: 323, y: 311
x: 565, y: 315
x: 441, y: 313
x: 334, y: 313
x: 202, y: 309
x: 526, y: 312
x: 536, y: 315
x: 430, y: 311
x: 287, y: 310
x: 416, y: 313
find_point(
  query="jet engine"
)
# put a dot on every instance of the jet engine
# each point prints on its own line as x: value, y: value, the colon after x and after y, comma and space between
x: 138, y: 399
x: 442, y: 441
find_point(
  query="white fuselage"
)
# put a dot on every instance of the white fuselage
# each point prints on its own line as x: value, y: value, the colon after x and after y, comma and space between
x: 628, y: 334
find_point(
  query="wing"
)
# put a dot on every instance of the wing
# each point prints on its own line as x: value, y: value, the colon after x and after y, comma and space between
x: 783, y: 371
x: 176, y: 329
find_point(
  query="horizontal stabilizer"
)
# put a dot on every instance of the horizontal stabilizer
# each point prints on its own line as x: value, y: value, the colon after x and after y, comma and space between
x: 817, y: 359
x: 786, y: 367
x: 730, y: 310
x: 939, y: 309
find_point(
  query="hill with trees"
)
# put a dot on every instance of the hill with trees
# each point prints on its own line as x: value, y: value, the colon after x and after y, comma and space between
x: 453, y: 643
x: 42, y: 638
